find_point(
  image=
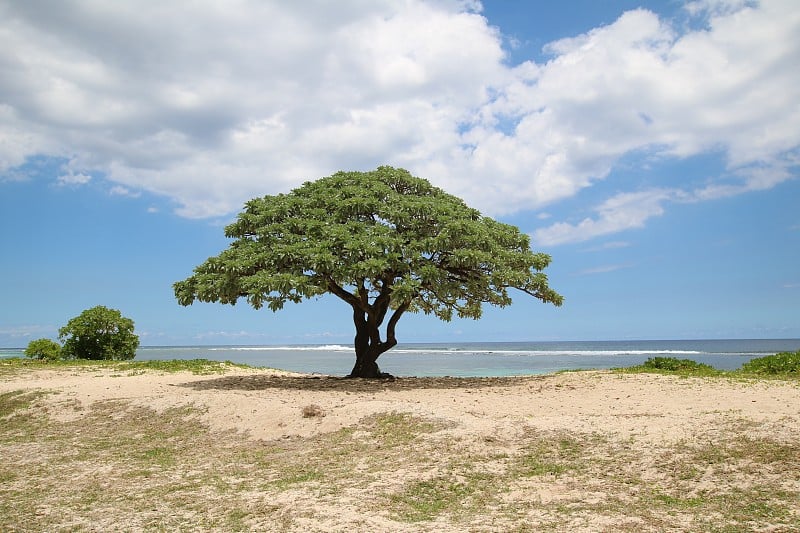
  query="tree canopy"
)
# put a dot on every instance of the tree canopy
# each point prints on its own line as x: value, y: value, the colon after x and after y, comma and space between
x: 382, y: 241
x: 99, y: 333
x: 43, y: 349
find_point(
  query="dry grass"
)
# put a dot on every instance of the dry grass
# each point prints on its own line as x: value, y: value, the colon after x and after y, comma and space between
x: 122, y: 467
x: 312, y: 411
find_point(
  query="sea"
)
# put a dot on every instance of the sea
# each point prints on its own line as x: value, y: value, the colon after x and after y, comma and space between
x: 477, y: 359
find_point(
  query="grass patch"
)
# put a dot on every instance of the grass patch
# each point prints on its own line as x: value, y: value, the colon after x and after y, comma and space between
x: 548, y: 456
x: 14, y: 401
x: 195, y: 366
x: 425, y: 500
x: 393, y: 429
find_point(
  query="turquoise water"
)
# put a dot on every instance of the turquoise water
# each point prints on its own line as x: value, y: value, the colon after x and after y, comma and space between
x: 478, y: 359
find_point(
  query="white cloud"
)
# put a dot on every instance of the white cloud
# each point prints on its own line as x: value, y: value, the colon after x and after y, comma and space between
x: 603, y: 269
x: 226, y: 335
x: 216, y: 103
x: 622, y: 212
x: 74, y: 179
x: 119, y: 190
x: 28, y: 331
x: 716, y: 7
x: 611, y: 245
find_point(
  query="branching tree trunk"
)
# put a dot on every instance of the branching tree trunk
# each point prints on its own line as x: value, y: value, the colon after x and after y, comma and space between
x: 368, y: 318
x: 368, y: 343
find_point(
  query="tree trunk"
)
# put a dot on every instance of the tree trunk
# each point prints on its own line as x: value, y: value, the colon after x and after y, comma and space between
x: 368, y: 347
x: 366, y: 367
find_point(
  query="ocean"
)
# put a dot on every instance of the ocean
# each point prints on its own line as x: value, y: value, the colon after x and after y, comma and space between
x: 488, y: 359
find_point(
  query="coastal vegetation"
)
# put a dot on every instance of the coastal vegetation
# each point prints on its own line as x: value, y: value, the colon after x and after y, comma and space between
x: 43, y: 350
x: 98, y: 333
x: 384, y: 242
x: 779, y: 364
x: 782, y: 365
x: 195, y: 366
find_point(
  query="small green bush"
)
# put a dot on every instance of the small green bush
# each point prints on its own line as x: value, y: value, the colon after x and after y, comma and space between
x: 780, y: 363
x: 44, y: 350
x: 99, y: 333
x: 673, y: 364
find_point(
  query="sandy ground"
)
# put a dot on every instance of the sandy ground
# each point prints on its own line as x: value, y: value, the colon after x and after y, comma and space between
x: 265, y: 404
x: 644, y: 411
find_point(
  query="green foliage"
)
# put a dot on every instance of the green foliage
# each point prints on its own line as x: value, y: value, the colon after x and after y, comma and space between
x: 378, y: 240
x: 780, y: 363
x: 99, y: 333
x: 43, y: 349
x: 673, y: 364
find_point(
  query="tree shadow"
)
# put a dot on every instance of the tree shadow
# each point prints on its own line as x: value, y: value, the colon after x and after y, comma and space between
x: 337, y: 384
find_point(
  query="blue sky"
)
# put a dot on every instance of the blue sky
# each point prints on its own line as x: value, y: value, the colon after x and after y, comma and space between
x: 650, y: 147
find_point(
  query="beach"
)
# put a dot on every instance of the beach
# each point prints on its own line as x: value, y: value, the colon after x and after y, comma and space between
x: 282, y: 451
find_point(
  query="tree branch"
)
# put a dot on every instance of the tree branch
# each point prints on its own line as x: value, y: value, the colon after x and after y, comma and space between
x: 391, y: 339
x: 348, y: 297
x: 381, y: 304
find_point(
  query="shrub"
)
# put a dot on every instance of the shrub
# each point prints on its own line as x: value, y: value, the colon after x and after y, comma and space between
x: 99, y: 333
x: 780, y: 363
x: 675, y: 365
x: 44, y: 349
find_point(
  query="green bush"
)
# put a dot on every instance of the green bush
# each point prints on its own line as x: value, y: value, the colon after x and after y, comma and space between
x: 675, y: 365
x: 99, y: 333
x: 780, y: 363
x: 44, y: 349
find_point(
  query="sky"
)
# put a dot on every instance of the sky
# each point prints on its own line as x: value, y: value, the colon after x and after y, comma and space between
x: 650, y: 147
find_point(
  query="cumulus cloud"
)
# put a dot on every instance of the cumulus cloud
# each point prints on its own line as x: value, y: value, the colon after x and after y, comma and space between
x: 211, y: 104
x: 621, y: 212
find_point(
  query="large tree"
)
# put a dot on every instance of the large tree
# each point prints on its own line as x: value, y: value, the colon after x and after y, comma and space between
x: 384, y: 242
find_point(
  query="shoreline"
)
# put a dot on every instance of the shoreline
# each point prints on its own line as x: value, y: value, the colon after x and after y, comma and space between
x: 482, y: 359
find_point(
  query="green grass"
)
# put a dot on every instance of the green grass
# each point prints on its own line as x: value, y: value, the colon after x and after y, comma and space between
x: 13, y: 402
x: 421, y: 501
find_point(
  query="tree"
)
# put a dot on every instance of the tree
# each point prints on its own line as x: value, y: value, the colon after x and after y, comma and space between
x: 384, y: 242
x: 43, y: 349
x: 99, y: 333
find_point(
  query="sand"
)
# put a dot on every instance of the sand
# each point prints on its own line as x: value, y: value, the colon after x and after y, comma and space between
x: 264, y: 404
x: 641, y: 410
